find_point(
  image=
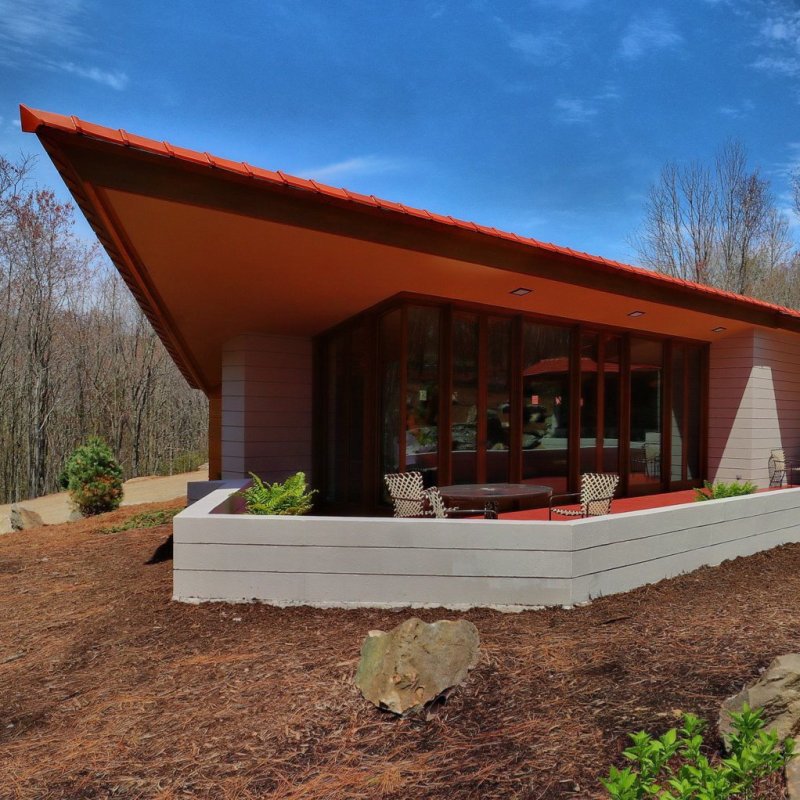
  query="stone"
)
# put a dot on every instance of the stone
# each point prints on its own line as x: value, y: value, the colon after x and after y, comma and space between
x: 777, y: 691
x: 406, y: 668
x: 75, y: 515
x: 23, y: 519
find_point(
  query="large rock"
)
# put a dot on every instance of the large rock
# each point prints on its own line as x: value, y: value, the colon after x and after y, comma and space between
x: 777, y: 691
x: 416, y: 662
x: 22, y: 519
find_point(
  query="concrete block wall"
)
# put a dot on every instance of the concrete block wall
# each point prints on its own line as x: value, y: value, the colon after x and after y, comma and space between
x: 376, y: 562
x: 266, y: 406
x: 754, y: 403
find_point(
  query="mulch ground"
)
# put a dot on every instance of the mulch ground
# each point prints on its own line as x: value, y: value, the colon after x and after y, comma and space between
x: 109, y: 689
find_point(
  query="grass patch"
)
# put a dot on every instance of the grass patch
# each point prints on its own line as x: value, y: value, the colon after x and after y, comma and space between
x: 146, y: 519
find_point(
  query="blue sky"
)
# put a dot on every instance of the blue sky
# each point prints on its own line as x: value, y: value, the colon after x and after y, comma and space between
x: 546, y: 117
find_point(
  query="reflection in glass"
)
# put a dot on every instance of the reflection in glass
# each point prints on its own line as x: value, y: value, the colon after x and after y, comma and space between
x: 498, y: 406
x: 693, y: 412
x: 646, y: 391
x: 389, y: 371
x: 422, y: 392
x: 612, y: 346
x: 589, y: 386
x: 464, y: 399
x: 678, y: 413
x: 545, y: 404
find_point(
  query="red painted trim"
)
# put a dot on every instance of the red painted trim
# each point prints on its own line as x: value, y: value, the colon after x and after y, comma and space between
x: 39, y: 122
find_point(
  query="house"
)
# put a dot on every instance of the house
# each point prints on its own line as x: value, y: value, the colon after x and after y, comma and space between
x: 348, y: 336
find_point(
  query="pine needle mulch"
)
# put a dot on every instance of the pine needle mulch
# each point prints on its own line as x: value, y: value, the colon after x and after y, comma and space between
x: 110, y: 690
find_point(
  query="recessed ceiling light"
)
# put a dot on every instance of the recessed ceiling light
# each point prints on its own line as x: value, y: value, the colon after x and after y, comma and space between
x: 521, y: 292
x: 718, y: 329
x: 636, y: 314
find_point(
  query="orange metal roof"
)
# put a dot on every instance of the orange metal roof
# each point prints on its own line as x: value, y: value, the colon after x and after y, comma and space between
x: 33, y: 121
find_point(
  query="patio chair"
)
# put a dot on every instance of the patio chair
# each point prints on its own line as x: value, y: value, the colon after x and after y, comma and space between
x: 593, y: 500
x: 781, y: 470
x: 435, y: 502
x: 407, y: 494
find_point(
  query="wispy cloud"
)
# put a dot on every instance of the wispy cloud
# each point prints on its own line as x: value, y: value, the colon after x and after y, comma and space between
x: 778, y: 65
x: 116, y: 80
x: 56, y: 27
x: 779, y: 36
x: 574, y: 109
x: 539, y: 47
x: 563, y: 5
x: 26, y: 22
x: 737, y: 110
x: 646, y: 34
x: 578, y: 110
x: 358, y: 165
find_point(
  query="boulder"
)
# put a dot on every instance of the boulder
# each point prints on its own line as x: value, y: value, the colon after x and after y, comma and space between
x: 777, y: 691
x: 22, y: 519
x: 407, y: 667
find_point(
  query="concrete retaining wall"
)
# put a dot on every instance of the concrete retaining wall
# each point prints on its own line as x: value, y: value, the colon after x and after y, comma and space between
x: 358, y: 561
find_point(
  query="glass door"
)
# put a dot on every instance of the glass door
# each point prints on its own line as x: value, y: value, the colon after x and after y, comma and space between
x: 545, y: 405
x: 646, y: 414
x: 685, y: 415
x: 600, y: 402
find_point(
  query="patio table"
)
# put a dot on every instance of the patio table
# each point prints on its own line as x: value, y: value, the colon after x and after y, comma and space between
x: 492, y: 494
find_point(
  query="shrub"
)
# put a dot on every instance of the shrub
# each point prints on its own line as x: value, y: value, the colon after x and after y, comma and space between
x: 716, y: 491
x: 290, y: 497
x: 673, y: 766
x: 94, y: 478
x: 145, y: 519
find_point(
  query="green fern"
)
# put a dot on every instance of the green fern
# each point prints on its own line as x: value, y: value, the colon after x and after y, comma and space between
x: 288, y: 498
x: 716, y: 491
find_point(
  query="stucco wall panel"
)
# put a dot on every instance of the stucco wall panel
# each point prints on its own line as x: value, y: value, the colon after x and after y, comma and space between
x: 754, y: 403
x: 266, y: 406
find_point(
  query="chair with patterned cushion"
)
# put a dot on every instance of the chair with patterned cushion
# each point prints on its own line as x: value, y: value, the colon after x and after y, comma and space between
x: 407, y: 494
x: 593, y: 500
x: 781, y: 469
x: 435, y: 502
x: 777, y: 467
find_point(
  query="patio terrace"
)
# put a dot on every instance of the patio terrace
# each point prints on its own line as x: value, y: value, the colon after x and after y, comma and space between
x: 622, y: 505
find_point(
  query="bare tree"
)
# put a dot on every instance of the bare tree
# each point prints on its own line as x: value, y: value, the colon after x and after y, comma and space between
x: 717, y: 225
x: 77, y: 356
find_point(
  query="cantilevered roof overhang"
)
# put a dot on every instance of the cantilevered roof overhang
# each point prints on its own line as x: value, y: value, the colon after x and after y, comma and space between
x: 214, y: 248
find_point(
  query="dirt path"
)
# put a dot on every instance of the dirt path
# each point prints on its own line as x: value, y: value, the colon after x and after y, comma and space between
x: 55, y: 508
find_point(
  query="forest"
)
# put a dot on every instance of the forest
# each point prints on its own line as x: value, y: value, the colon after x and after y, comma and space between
x: 77, y: 356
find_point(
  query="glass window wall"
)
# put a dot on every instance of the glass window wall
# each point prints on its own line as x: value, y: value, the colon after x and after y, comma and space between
x: 422, y: 392
x: 496, y: 393
x: 545, y: 404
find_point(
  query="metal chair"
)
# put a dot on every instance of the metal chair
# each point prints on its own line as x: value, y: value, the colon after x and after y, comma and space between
x: 593, y: 500
x: 781, y: 469
x: 407, y: 494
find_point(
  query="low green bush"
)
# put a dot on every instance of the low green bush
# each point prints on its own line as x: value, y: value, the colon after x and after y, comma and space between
x: 674, y: 766
x: 146, y: 519
x: 94, y: 478
x: 290, y: 497
x: 716, y: 491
